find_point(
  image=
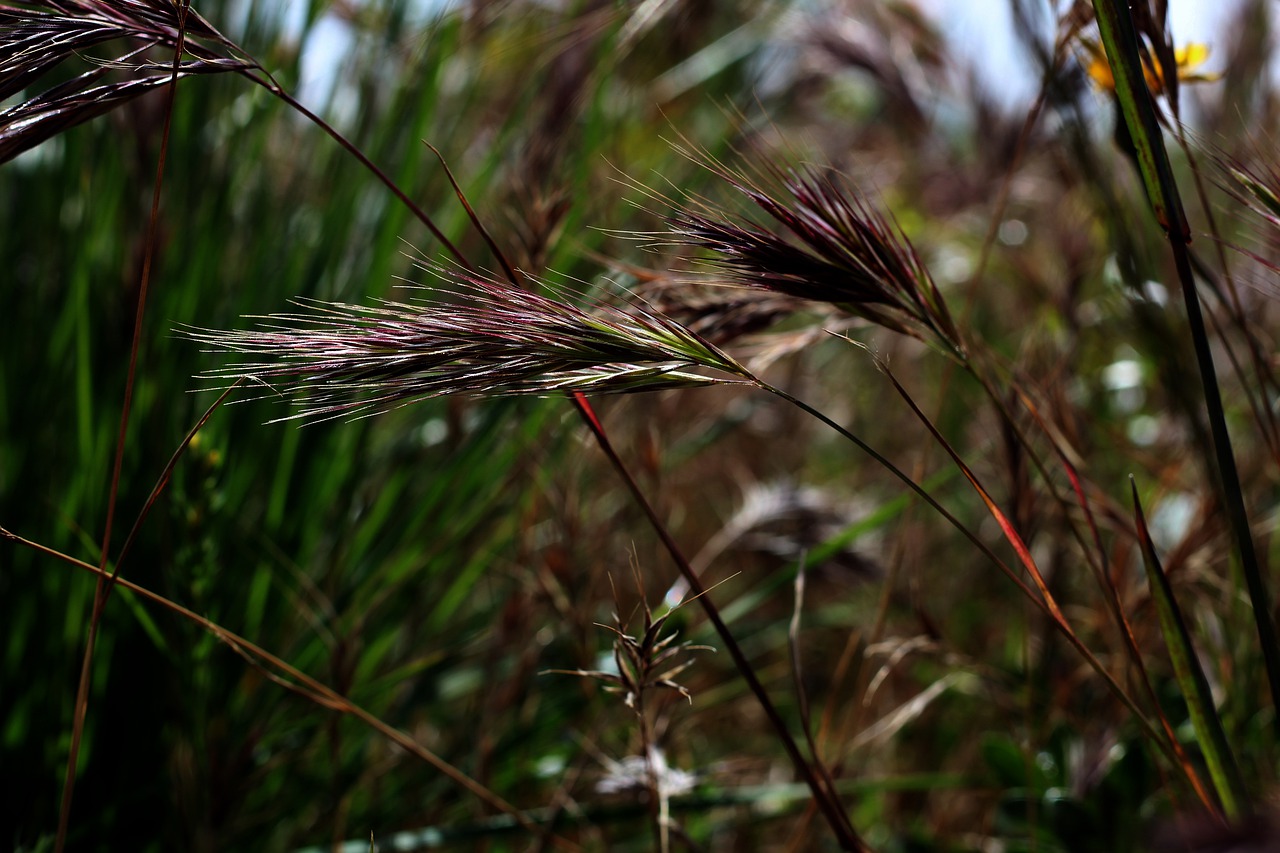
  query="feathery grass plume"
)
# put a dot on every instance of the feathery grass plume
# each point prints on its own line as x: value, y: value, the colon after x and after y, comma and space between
x: 352, y: 360
x: 37, y: 37
x: 832, y: 247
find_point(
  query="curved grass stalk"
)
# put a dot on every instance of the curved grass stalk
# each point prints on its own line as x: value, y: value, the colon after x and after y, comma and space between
x: 281, y: 672
x: 266, y: 81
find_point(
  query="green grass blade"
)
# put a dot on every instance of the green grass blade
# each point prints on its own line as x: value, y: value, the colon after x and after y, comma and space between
x: 1121, y: 43
x: 1191, y: 678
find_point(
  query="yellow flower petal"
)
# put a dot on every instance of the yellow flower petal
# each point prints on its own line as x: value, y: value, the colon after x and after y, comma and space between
x: 1188, y: 59
x: 1190, y: 56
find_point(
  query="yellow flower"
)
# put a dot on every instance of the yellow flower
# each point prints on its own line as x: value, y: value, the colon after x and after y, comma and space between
x: 1188, y: 59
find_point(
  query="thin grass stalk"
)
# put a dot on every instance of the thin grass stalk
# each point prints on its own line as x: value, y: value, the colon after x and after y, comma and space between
x: 793, y: 643
x: 507, y: 269
x: 659, y: 813
x: 269, y: 83
x: 1120, y: 41
x: 1257, y: 403
x: 163, y: 481
x: 909, y: 483
x: 1048, y: 607
x: 305, y: 685
x: 802, y: 696
x: 1259, y: 360
x: 1005, y: 412
x: 102, y: 588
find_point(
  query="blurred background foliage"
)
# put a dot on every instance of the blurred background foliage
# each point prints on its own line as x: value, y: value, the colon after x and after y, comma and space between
x: 431, y: 563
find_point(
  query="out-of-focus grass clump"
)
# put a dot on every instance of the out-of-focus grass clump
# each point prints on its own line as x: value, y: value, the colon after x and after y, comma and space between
x: 944, y: 634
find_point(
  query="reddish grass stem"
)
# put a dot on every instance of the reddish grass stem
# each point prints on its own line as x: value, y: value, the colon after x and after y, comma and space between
x: 102, y: 588
x: 351, y: 148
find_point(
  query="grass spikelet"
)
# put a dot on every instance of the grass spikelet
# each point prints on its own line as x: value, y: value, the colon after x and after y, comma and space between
x: 828, y: 244
x: 339, y: 360
x: 34, y: 39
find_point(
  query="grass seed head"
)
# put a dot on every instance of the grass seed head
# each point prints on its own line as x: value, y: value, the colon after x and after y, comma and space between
x: 337, y: 360
x: 826, y: 244
x: 36, y: 38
